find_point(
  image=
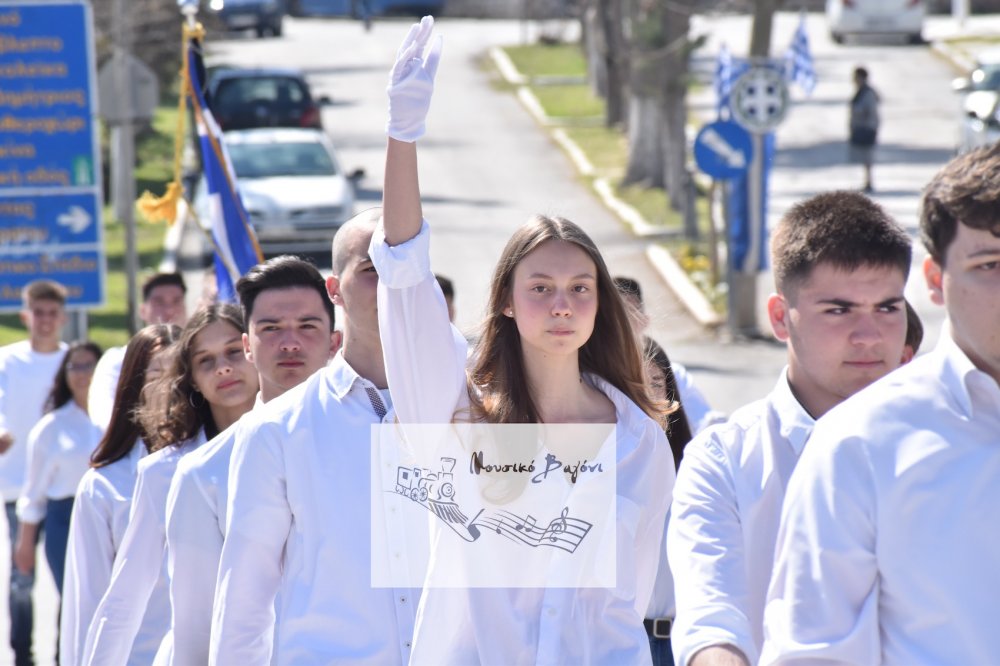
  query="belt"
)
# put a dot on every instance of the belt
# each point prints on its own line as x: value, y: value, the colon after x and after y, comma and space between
x: 659, y: 627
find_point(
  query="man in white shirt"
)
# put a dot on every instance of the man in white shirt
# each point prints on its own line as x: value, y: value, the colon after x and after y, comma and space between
x: 840, y: 264
x: 290, y: 335
x: 888, y: 546
x: 27, y: 371
x: 299, y: 524
x: 162, y: 303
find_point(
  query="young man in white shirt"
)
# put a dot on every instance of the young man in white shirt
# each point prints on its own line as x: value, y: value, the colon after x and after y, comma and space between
x: 162, y: 303
x: 299, y: 521
x: 840, y: 264
x: 27, y: 370
x: 290, y: 335
x: 888, y: 546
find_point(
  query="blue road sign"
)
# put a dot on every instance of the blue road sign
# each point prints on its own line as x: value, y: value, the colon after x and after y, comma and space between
x: 50, y: 194
x: 723, y: 149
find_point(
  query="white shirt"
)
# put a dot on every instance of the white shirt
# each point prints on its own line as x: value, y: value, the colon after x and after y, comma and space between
x: 139, y: 563
x: 26, y: 377
x: 889, y: 546
x: 59, y: 449
x: 100, y: 517
x: 699, y: 413
x: 196, y: 525
x: 724, y: 522
x: 299, y: 528
x: 425, y: 365
x: 103, y: 386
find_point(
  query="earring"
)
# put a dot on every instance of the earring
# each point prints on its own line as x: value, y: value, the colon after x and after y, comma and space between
x: 509, y: 312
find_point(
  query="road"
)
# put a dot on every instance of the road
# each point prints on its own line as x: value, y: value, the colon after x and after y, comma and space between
x: 486, y: 167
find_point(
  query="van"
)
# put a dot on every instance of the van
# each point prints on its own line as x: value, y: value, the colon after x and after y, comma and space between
x: 876, y: 17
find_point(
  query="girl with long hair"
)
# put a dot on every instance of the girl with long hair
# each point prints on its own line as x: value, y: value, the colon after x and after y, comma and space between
x: 556, y: 347
x: 59, y: 448
x: 103, y: 500
x: 206, y: 386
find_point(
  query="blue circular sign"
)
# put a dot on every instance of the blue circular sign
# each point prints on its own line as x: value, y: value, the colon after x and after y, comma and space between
x: 723, y: 149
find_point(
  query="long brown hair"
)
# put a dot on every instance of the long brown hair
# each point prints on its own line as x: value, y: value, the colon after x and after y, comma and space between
x: 500, y: 391
x: 124, y: 428
x: 60, y: 393
x: 173, y: 412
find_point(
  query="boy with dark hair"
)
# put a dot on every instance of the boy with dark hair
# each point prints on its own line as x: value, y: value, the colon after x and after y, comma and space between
x: 840, y: 264
x: 162, y: 303
x: 888, y: 546
x: 27, y: 370
x: 290, y: 335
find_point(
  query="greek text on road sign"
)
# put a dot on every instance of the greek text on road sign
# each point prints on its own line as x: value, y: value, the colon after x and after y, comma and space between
x: 50, y: 194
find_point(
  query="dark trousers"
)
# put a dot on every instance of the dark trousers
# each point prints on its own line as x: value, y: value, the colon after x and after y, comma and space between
x: 57, y: 515
x: 22, y: 618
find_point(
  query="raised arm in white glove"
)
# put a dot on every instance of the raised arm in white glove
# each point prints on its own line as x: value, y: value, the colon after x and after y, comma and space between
x: 411, y: 82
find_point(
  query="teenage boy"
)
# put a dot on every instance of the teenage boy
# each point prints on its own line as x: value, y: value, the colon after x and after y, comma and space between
x: 290, y: 335
x: 162, y: 303
x: 840, y: 264
x: 888, y: 546
x: 27, y: 370
x: 299, y: 524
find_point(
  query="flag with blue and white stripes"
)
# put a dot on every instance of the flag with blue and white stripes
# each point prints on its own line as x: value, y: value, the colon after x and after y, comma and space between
x: 799, y: 67
x: 723, y: 80
x: 234, y: 241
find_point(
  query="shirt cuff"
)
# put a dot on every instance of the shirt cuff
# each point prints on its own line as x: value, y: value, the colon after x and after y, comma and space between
x: 404, y: 265
x: 29, y: 511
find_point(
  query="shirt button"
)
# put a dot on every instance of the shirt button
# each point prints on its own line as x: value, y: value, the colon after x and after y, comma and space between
x: 552, y: 612
x: 402, y: 600
x: 407, y: 643
x: 396, y: 555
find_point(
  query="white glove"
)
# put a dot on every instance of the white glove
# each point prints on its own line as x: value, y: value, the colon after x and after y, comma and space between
x: 411, y: 83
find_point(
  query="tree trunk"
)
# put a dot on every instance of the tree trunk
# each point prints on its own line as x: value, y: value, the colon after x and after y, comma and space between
x: 594, y: 48
x: 615, y: 60
x: 646, y: 138
x: 760, y: 32
x: 676, y: 22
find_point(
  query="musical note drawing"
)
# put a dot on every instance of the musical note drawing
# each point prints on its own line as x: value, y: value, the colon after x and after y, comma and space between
x: 565, y: 532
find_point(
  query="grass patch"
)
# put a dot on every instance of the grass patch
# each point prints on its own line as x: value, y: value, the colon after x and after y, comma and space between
x: 548, y: 60
x: 108, y: 325
x: 572, y: 101
x: 606, y: 148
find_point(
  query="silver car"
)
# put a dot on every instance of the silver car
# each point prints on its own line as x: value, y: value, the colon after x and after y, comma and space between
x: 980, y: 90
x: 292, y: 186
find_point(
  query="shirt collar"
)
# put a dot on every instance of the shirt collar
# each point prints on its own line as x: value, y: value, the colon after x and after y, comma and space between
x: 961, y: 377
x: 341, y: 377
x: 795, y: 423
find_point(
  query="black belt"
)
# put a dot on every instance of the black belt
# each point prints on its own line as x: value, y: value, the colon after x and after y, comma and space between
x: 658, y: 628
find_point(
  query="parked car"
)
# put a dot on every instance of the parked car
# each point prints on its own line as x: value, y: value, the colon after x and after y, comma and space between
x: 263, y: 16
x: 980, y: 90
x: 354, y: 8
x: 292, y: 186
x: 247, y: 98
x: 876, y: 17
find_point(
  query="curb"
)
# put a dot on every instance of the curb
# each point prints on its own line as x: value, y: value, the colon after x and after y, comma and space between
x: 673, y: 275
x: 689, y: 294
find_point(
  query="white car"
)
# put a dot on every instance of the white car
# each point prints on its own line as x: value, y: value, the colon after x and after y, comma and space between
x: 876, y: 17
x: 292, y: 186
x: 980, y: 121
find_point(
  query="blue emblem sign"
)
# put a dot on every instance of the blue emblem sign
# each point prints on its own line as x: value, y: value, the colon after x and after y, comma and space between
x: 50, y: 194
x: 723, y: 149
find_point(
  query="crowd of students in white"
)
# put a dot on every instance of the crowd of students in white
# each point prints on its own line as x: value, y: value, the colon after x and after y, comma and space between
x: 199, y: 493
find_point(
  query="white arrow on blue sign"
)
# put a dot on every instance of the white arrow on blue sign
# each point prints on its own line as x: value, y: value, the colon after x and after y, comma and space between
x: 723, y: 149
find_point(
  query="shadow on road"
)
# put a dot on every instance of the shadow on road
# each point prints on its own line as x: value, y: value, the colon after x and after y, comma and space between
x: 832, y: 153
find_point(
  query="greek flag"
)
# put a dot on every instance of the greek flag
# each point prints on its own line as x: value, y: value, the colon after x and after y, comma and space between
x: 799, y: 67
x: 234, y: 241
x: 723, y: 80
